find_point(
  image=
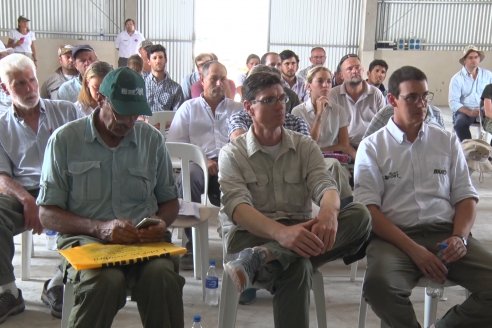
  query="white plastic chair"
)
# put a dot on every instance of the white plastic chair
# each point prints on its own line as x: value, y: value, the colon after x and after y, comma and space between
x: 187, y: 153
x: 164, y: 118
x: 430, y: 305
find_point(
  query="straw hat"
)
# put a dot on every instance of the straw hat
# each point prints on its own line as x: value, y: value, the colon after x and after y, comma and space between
x: 467, y: 51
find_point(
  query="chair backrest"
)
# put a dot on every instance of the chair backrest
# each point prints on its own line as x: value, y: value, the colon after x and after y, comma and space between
x: 164, y: 118
x: 186, y: 153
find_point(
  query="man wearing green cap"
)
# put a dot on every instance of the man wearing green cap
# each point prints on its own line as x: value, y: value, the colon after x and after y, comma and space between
x: 101, y: 175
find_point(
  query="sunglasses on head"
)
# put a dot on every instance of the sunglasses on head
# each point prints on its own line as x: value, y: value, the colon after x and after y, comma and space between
x: 347, y: 56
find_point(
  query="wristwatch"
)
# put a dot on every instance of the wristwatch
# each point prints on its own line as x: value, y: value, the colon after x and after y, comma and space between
x: 463, y: 239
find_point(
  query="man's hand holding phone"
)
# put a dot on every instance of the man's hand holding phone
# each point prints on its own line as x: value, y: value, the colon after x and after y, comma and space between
x: 151, y: 230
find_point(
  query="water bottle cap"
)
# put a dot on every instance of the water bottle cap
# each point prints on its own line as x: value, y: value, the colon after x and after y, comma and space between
x: 442, y: 246
x: 212, y: 262
x: 197, y: 318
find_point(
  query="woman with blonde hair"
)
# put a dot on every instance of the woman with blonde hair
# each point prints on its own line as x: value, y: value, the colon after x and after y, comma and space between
x: 87, y: 100
x: 328, y: 124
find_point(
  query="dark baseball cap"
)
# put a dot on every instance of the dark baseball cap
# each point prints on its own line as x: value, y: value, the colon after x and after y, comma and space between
x: 22, y: 18
x: 81, y: 47
x: 125, y: 90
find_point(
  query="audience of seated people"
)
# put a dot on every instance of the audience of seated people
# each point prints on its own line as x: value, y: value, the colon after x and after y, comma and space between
x: 337, y: 112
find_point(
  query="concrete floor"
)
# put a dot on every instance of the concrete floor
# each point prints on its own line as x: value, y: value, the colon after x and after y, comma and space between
x: 342, y: 296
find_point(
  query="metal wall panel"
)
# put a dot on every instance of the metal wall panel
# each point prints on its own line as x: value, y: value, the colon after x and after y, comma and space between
x: 300, y: 25
x: 87, y: 20
x: 440, y: 25
x: 170, y: 23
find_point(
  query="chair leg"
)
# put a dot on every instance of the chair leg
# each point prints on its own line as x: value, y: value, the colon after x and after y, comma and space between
x: 353, y: 270
x: 430, y: 310
x: 362, y: 312
x: 200, y: 253
x: 229, y: 299
x: 68, y: 299
x: 26, y: 253
x: 318, y: 288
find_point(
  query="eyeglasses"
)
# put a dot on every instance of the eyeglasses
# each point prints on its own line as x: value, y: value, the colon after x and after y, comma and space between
x: 414, y: 98
x: 283, y: 99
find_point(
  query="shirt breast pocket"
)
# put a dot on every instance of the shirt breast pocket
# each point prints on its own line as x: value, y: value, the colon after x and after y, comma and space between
x: 86, y: 180
x: 258, y: 187
x: 295, y: 188
x: 137, y: 184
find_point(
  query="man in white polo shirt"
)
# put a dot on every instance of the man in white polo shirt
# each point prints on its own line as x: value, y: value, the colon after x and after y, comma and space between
x: 413, y: 178
x: 127, y: 42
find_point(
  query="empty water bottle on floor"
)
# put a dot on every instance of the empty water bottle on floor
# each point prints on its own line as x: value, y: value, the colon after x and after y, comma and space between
x: 435, y: 289
x: 51, y: 237
x: 197, y: 321
x: 212, y: 285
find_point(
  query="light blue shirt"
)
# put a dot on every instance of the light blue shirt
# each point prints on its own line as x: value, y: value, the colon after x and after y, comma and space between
x: 466, y: 91
x: 83, y: 175
x: 21, y: 149
x: 187, y: 82
x: 413, y: 183
x: 70, y: 90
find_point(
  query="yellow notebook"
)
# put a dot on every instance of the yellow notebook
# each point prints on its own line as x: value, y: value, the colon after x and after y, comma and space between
x: 97, y: 255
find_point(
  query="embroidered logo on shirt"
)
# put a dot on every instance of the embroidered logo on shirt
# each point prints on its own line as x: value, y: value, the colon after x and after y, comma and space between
x: 392, y: 175
x: 439, y: 171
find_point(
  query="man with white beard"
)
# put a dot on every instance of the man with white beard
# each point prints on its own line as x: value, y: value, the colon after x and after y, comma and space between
x: 24, y: 131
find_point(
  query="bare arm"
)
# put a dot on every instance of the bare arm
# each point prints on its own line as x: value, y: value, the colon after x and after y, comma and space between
x: 464, y: 218
x: 326, y: 226
x: 297, y: 238
x: 428, y: 263
x: 487, y: 106
x: 343, y: 144
x: 33, y: 49
x: 12, y: 188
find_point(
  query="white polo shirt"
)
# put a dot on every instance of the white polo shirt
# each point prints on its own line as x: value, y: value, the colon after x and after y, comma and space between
x: 332, y: 119
x: 360, y: 112
x: 195, y: 123
x: 412, y: 183
x: 128, y: 44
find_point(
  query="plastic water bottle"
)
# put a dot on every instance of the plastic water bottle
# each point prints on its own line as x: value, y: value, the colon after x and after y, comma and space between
x: 212, y: 285
x: 51, y: 236
x: 435, y: 289
x: 197, y: 321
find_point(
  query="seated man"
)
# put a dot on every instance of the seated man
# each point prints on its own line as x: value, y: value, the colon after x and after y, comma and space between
x: 268, y: 178
x: 414, y: 179
x: 24, y: 131
x: 101, y: 175
x: 465, y: 89
x: 383, y: 116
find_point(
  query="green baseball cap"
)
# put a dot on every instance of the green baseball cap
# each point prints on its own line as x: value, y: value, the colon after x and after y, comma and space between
x: 125, y: 90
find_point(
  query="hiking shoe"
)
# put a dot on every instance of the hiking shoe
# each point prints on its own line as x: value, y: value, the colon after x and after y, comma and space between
x: 53, y: 297
x: 186, y: 262
x: 9, y: 305
x: 248, y: 296
x: 243, y: 269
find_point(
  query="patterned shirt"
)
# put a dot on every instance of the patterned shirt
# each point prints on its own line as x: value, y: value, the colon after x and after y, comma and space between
x: 383, y: 116
x: 163, y: 95
x: 299, y: 87
x: 242, y: 120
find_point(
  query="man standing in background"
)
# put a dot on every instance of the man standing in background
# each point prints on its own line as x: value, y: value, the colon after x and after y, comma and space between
x: 127, y: 42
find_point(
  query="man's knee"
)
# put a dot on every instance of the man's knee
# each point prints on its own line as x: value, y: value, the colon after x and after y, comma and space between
x: 161, y: 272
x: 103, y: 282
x: 358, y: 216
